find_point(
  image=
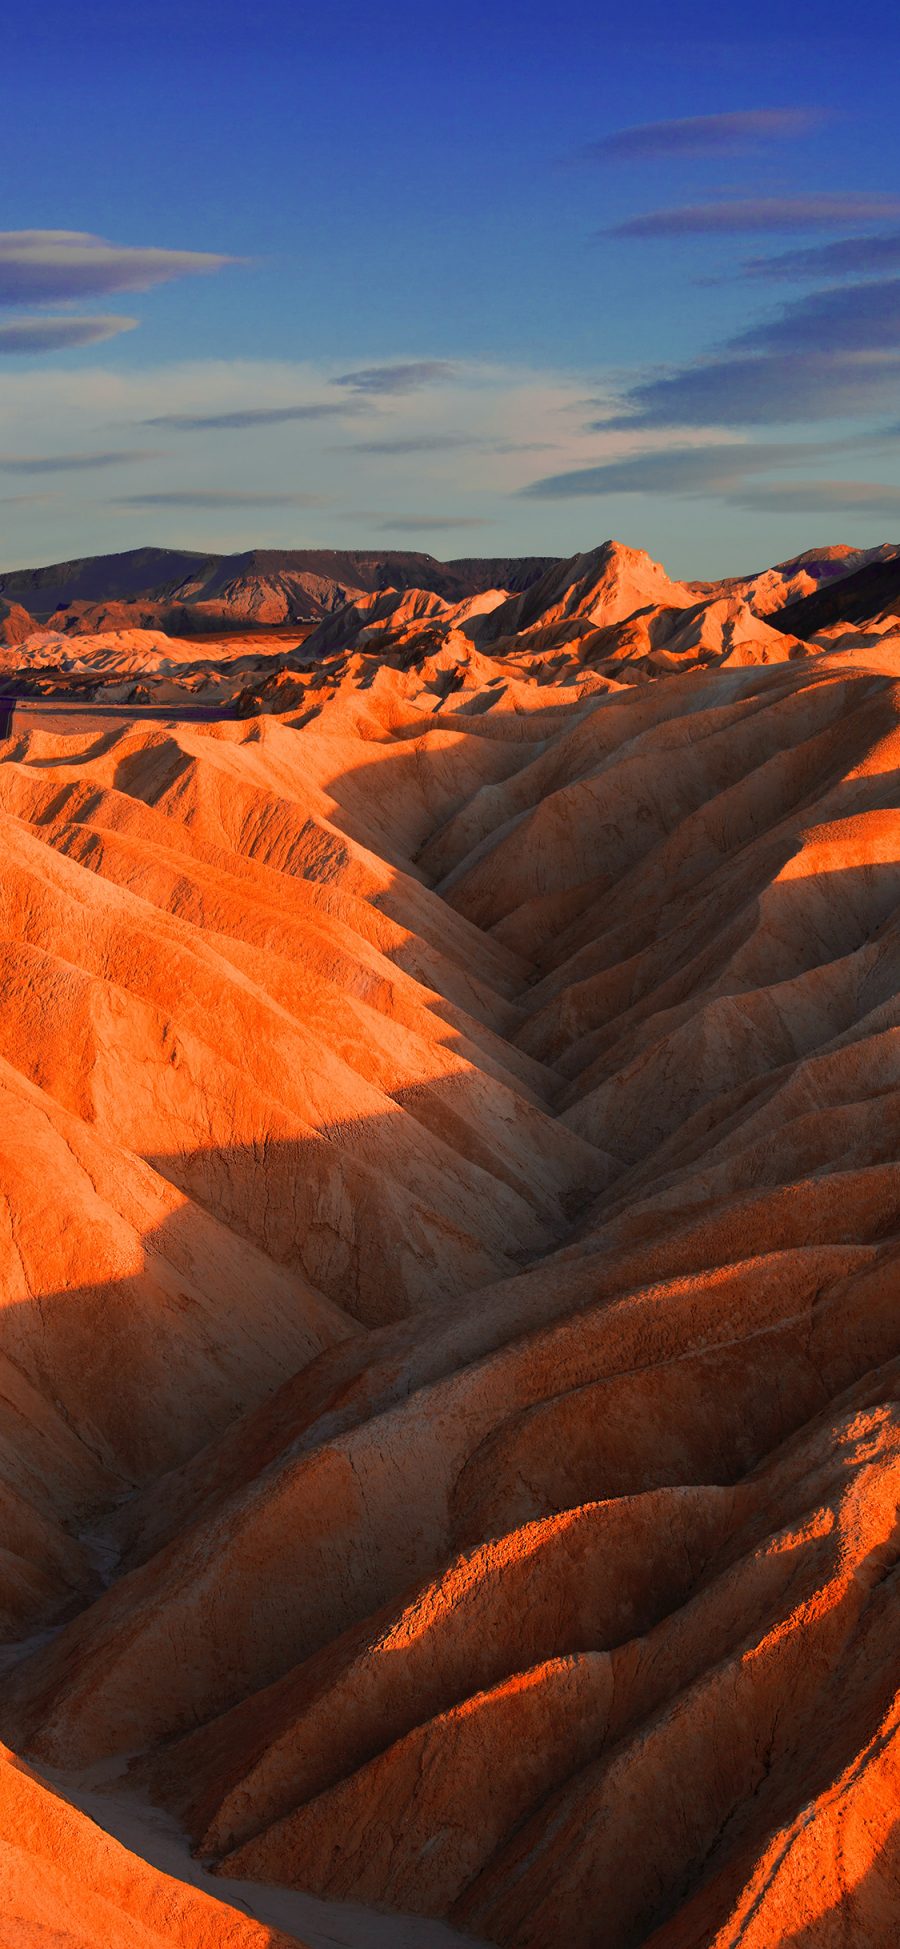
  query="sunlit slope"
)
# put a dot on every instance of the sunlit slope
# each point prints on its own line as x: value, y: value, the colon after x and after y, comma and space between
x: 472, y: 1358
x: 65, y: 1883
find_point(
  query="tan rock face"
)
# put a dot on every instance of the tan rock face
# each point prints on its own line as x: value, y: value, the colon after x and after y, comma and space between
x: 65, y: 1882
x: 15, y: 623
x: 449, y: 1344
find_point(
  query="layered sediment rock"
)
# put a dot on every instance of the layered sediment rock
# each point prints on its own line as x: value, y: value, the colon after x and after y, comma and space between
x: 450, y: 1432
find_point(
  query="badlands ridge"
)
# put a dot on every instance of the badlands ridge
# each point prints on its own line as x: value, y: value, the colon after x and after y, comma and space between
x: 450, y: 1362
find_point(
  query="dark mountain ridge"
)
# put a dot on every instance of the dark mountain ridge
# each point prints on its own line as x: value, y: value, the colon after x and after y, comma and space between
x: 189, y: 592
x: 871, y: 591
x: 185, y: 592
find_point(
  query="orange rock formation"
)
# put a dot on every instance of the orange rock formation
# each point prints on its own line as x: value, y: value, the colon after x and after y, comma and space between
x: 450, y: 1360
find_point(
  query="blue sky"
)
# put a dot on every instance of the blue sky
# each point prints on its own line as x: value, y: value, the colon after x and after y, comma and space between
x: 477, y: 280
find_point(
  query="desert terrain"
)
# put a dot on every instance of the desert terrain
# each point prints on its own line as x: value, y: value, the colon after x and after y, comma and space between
x: 449, y: 1342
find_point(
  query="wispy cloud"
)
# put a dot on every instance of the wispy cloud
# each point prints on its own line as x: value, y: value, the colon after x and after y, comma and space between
x: 250, y: 416
x: 675, y: 470
x: 30, y: 335
x: 515, y: 417
x: 58, y: 266
x: 742, y: 216
x: 403, y: 378
x: 415, y: 443
x: 426, y: 443
x: 825, y: 356
x: 70, y: 463
x: 747, y: 391
x: 402, y: 524
x: 853, y: 318
x: 731, y: 472
x: 847, y: 257
x: 845, y: 498
x: 704, y: 135
x: 219, y: 497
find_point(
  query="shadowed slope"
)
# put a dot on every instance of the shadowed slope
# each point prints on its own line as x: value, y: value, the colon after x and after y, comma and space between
x: 524, y: 1079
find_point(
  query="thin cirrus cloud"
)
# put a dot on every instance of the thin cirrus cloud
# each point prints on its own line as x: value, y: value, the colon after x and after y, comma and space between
x: 730, y: 471
x: 835, y: 497
x: 62, y: 266
x: 70, y: 463
x: 403, y: 524
x: 748, y: 391
x: 743, y: 215
x: 403, y: 378
x: 33, y: 335
x: 416, y: 443
x: 213, y: 497
x: 704, y: 135
x: 846, y: 257
x: 854, y: 318
x: 695, y: 470
x: 426, y: 443
x: 826, y: 356
x: 250, y: 416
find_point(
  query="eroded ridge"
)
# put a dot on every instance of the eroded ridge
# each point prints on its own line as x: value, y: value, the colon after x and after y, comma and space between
x: 449, y: 1428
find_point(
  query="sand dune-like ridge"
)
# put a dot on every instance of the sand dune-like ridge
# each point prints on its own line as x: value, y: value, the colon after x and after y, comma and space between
x: 449, y: 1424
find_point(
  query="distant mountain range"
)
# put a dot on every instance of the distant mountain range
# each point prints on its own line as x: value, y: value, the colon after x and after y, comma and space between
x: 190, y: 594
x: 873, y: 590
x: 186, y: 594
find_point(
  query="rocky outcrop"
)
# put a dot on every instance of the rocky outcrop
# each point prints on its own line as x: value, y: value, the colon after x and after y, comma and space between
x: 15, y: 624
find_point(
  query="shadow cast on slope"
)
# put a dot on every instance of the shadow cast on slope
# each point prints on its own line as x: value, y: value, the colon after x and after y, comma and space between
x: 305, y: 1519
x: 274, y: 1260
